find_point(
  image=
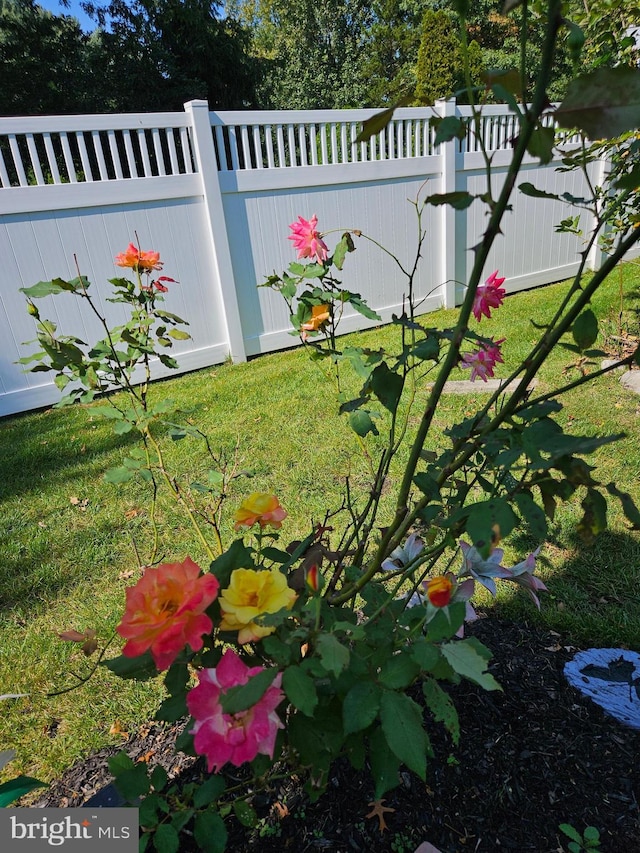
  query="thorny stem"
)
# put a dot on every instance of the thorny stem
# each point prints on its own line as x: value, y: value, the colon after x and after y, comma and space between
x: 403, y: 517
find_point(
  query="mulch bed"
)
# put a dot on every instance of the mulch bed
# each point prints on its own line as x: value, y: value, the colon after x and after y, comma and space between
x: 530, y: 758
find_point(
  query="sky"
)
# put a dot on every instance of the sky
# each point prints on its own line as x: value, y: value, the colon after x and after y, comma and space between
x: 74, y: 9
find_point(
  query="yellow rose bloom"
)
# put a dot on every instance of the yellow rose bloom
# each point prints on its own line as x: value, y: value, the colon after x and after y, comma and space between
x: 250, y: 594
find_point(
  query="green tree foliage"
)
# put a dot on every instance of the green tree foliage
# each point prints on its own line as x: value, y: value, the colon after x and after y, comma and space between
x: 164, y: 52
x: 311, y: 52
x: 392, y: 51
x: 440, y: 67
x: 40, y: 55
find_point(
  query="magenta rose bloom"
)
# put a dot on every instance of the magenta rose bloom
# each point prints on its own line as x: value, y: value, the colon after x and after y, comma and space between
x: 237, y: 737
x: 488, y: 295
x: 483, y: 360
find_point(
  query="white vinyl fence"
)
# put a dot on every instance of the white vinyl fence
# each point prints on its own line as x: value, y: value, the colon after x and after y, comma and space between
x: 214, y: 193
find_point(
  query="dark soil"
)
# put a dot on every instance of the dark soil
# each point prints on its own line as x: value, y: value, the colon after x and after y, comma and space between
x: 535, y: 756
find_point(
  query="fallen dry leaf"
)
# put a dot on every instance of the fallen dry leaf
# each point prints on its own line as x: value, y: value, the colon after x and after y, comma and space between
x: 87, y: 638
x: 281, y: 810
x: 124, y: 576
x: 80, y: 503
x: 116, y: 729
x: 378, y: 811
x: 132, y: 513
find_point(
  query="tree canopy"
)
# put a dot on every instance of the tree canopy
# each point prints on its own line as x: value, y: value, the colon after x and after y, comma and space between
x: 157, y: 54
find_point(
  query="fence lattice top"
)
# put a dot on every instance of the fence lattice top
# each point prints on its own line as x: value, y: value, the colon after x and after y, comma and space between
x: 78, y: 149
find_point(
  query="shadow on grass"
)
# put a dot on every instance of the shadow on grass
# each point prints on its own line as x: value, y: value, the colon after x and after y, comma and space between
x: 39, y: 569
x: 38, y: 450
x: 594, y: 593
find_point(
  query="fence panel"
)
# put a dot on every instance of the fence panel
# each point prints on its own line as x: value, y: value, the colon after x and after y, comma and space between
x: 214, y: 193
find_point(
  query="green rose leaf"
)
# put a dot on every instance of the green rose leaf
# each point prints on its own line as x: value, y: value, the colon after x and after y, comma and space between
x: 209, y: 791
x: 375, y: 124
x: 466, y: 659
x: 458, y: 199
x: 399, y: 671
x: 334, y: 656
x: 245, y: 814
x: 179, y: 335
x: 541, y: 144
x: 603, y: 103
x: 360, y: 707
x: 484, y: 515
x: 361, y: 423
x: 594, y: 520
x: 142, y: 668
x: 133, y: 783
x: 244, y: 696
x: 15, y: 788
x: 403, y: 729
x: 533, y: 514
x: 120, y: 474
x: 384, y: 764
x: 441, y: 706
x: 448, y: 128
x: 237, y: 556
x: 50, y: 288
x: 300, y: 689
x: 387, y: 386
x: 210, y: 832
x: 527, y: 188
x: 585, y: 329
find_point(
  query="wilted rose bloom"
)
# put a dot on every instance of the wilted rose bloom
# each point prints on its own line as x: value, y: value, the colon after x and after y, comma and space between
x: 523, y: 574
x: 483, y: 360
x: 261, y: 508
x: 157, y: 283
x: 484, y: 571
x: 319, y: 316
x: 405, y: 554
x: 137, y: 260
x: 488, y: 295
x: 250, y: 594
x: 307, y: 241
x: 237, y: 737
x: 439, y: 590
x: 165, y: 611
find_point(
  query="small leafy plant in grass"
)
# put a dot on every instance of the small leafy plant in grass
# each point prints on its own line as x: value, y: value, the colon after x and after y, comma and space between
x: 295, y: 651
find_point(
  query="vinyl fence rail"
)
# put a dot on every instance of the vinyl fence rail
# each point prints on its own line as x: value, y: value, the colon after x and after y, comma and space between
x: 214, y: 193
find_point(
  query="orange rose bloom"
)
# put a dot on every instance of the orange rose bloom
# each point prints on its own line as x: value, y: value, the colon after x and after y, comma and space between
x: 262, y: 508
x: 439, y: 591
x: 137, y: 260
x: 319, y: 316
x: 165, y: 611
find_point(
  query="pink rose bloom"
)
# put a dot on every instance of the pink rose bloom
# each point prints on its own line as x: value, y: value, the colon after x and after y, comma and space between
x: 237, y: 737
x: 488, y: 295
x: 483, y: 360
x: 307, y: 241
x: 165, y: 611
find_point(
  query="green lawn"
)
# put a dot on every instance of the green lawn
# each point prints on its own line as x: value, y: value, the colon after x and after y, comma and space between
x: 70, y: 539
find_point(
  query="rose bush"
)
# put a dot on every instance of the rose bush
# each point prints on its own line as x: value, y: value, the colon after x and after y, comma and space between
x: 295, y: 653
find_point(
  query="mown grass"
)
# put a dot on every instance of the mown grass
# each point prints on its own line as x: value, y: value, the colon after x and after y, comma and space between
x: 70, y: 539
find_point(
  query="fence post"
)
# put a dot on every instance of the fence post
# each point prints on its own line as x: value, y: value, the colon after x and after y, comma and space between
x: 447, y: 252
x: 205, y: 155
